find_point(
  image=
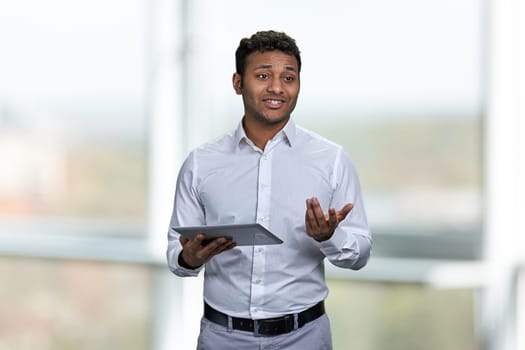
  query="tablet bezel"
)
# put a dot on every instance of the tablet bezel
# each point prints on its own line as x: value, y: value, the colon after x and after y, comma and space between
x: 242, y: 234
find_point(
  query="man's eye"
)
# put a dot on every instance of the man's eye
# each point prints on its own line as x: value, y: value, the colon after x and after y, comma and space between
x: 289, y: 78
x: 262, y: 76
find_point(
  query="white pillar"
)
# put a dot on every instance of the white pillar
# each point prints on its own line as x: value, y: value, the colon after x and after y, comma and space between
x: 173, y: 326
x: 165, y: 115
x: 504, y: 176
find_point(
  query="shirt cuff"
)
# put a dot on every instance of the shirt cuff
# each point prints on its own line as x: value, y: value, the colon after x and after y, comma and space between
x: 184, y: 271
x: 339, y: 244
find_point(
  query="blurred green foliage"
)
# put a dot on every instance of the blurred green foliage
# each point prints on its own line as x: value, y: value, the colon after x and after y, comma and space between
x: 400, y: 316
x: 423, y: 151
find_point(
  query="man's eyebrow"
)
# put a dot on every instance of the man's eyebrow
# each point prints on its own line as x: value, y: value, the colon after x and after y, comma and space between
x: 264, y: 66
x: 269, y: 66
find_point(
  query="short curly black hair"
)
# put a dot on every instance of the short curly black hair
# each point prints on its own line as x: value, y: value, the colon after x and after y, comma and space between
x: 265, y: 41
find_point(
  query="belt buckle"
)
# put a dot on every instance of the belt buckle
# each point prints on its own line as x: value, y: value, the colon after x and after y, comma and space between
x: 281, y: 325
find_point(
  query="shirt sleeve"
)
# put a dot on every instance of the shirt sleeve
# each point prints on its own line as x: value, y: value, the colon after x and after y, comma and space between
x: 351, y: 244
x: 187, y: 211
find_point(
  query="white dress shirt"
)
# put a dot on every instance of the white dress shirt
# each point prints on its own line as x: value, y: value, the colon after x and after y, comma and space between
x: 232, y: 181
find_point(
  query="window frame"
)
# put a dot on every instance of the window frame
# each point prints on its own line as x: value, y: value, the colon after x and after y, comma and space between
x: 464, y: 263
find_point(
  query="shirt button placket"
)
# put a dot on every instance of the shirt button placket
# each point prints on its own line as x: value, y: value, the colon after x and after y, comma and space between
x: 263, y: 210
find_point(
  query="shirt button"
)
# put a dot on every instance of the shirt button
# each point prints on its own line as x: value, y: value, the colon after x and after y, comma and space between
x: 255, y: 309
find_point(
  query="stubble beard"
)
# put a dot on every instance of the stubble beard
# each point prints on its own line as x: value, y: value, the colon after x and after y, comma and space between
x: 259, y: 117
x: 264, y: 120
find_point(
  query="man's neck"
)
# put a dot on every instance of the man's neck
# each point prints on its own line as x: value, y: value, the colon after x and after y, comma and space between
x: 260, y: 133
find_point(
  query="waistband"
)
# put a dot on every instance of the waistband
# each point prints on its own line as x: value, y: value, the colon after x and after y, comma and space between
x: 268, y: 326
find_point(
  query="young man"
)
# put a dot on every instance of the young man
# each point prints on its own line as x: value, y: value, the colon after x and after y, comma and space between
x: 271, y: 172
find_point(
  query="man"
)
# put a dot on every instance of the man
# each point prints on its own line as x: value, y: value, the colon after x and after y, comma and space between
x: 271, y: 172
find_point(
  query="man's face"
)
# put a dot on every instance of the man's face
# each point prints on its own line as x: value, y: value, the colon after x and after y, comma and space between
x: 269, y: 88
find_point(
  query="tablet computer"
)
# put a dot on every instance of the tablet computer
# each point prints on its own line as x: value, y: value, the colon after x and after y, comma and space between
x: 242, y: 234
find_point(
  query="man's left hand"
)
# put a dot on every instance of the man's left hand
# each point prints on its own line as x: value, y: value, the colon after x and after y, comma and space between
x: 321, y: 226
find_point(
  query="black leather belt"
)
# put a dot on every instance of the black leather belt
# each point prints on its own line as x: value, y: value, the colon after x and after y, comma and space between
x: 268, y: 326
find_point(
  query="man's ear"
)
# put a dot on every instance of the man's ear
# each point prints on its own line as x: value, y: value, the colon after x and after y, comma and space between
x: 237, y: 83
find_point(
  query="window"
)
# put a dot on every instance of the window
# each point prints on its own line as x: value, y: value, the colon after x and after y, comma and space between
x: 71, y: 304
x: 72, y: 116
x: 400, y: 86
x: 400, y: 90
x: 400, y: 316
x: 73, y: 154
x: 100, y: 101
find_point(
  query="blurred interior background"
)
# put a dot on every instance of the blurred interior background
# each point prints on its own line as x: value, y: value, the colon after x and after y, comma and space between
x: 100, y: 101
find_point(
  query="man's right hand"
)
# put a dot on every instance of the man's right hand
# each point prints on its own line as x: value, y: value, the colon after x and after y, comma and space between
x: 197, y: 251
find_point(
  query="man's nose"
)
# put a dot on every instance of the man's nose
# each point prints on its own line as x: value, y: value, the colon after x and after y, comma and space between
x: 275, y: 86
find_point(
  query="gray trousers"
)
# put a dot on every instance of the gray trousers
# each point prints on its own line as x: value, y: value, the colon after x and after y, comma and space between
x: 314, y: 335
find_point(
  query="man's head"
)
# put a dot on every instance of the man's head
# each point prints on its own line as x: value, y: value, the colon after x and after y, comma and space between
x: 267, y: 77
x: 265, y: 41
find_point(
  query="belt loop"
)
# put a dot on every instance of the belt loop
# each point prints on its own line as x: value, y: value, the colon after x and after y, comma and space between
x: 295, y: 321
x: 230, y: 324
x: 256, y: 328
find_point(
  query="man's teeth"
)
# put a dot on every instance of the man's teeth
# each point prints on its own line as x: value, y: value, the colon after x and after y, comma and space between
x: 274, y: 102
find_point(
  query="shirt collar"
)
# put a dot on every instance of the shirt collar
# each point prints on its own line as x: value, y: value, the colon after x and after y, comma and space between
x: 239, y: 136
x: 289, y: 133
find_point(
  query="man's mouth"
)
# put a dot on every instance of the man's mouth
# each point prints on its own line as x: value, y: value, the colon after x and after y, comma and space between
x: 273, y: 103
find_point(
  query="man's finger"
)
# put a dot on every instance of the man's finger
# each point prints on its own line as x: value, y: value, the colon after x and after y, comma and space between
x: 341, y: 214
x: 196, y: 241
x: 183, y: 240
x: 216, y: 246
x: 229, y: 244
x: 310, y: 214
x: 319, y: 214
x: 332, y: 218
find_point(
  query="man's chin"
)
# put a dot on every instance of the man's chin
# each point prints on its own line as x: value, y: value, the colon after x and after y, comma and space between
x: 273, y: 120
